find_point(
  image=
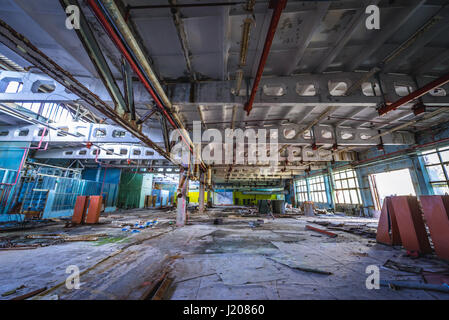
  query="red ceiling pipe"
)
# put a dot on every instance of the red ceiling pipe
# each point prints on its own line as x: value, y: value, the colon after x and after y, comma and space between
x: 415, y: 94
x: 130, y: 60
x: 278, y: 6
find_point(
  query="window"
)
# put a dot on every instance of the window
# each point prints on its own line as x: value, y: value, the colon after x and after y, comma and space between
x: 317, y: 189
x: 56, y: 112
x: 347, y: 187
x: 301, y: 190
x: 14, y: 87
x: 437, y: 164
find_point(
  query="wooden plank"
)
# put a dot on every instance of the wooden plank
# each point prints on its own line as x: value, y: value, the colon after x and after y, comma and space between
x: 30, y: 294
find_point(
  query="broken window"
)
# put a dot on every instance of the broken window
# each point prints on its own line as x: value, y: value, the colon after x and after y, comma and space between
x: 436, y: 162
x: 301, y: 190
x: 347, y: 189
x: 317, y: 187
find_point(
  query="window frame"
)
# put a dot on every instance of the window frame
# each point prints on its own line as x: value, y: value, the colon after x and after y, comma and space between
x: 346, y: 187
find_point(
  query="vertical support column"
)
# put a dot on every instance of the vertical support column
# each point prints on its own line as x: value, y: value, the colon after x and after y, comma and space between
x: 331, y: 191
x: 182, y: 200
x: 98, y: 175
x: 201, y: 191
x: 422, y: 176
x: 365, y: 191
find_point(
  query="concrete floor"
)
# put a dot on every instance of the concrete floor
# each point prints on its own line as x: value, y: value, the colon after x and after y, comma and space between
x: 226, y: 261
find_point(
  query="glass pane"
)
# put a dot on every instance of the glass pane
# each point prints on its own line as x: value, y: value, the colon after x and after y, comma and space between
x: 431, y: 158
x: 338, y: 184
x: 344, y: 184
x: 440, y: 188
x: 350, y: 173
x: 346, y: 195
x: 339, y: 196
x: 351, y: 183
x: 436, y: 173
x: 445, y: 156
x: 354, y: 197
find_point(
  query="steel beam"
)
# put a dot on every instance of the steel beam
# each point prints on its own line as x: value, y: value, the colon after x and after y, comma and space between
x: 385, y: 33
x: 23, y: 47
x: 179, y: 25
x: 310, y: 26
x: 107, y: 152
x: 217, y: 93
x: 128, y: 88
x: 415, y: 95
x: 277, y: 6
x: 74, y: 132
x: 435, y: 27
x: 358, y: 17
x: 94, y: 51
x: 431, y: 63
x: 294, y: 135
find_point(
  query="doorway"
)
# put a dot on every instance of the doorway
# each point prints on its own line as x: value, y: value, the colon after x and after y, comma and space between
x: 390, y: 183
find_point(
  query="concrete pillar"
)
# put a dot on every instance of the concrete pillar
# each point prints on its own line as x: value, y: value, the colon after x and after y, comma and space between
x: 331, y: 193
x: 182, y: 200
x: 201, y: 195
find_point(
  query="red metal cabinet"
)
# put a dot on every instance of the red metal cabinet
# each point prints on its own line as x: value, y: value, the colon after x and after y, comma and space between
x: 79, y: 211
x: 436, y: 213
x: 95, y: 204
x: 411, y: 224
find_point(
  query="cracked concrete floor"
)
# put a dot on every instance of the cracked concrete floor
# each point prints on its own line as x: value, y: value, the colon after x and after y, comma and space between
x: 207, y: 261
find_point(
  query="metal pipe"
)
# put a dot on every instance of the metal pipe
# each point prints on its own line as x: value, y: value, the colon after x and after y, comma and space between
x: 186, y: 5
x: 415, y: 94
x: 409, y: 123
x: 279, y: 5
x: 24, y: 48
x: 129, y: 37
x: 147, y: 71
x: 92, y: 48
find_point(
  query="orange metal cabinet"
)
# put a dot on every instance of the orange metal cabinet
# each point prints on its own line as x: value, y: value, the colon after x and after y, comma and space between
x: 93, y: 213
x: 79, y: 211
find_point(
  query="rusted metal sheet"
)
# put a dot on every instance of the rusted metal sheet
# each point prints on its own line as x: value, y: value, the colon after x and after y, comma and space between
x: 80, y: 209
x: 436, y: 213
x: 387, y: 229
x: 411, y: 224
x: 93, y: 214
x: 330, y: 234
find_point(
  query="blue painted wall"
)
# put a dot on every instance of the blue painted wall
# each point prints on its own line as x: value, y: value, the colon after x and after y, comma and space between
x: 112, y: 175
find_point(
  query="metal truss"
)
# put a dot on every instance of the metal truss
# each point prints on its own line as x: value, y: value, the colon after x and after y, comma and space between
x: 309, y: 89
x: 13, y: 40
x: 74, y: 132
x: 289, y: 91
x: 106, y: 152
x: 293, y: 134
x: 110, y: 151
